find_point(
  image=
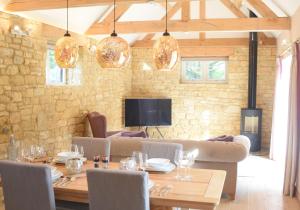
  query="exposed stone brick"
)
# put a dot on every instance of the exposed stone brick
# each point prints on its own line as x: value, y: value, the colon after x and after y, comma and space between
x: 204, y: 110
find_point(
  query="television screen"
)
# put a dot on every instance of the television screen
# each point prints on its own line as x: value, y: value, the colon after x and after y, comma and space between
x: 148, y: 112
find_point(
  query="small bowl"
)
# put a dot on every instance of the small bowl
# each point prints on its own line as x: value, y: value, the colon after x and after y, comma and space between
x: 74, y: 165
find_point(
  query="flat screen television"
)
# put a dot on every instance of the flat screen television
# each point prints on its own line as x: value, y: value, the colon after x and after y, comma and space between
x: 148, y: 112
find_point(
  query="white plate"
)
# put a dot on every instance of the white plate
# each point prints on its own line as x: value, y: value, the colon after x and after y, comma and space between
x: 64, y: 155
x: 63, y: 161
x: 158, y: 162
x: 165, y: 169
x: 162, y: 161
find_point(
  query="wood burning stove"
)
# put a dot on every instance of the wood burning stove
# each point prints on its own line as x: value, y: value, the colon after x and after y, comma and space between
x: 251, y: 117
x: 251, y: 123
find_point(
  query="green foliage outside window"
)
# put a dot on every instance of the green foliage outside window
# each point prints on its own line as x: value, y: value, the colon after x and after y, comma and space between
x: 204, y: 69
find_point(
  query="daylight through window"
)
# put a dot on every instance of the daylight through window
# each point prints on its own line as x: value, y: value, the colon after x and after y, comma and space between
x: 58, y: 76
x: 197, y: 70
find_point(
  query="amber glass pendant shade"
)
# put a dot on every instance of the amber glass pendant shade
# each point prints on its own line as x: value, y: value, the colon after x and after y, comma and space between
x: 66, y: 49
x: 113, y: 52
x: 165, y: 53
x: 66, y: 52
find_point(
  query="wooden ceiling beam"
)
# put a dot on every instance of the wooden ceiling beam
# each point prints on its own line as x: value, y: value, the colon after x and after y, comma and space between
x: 171, y: 13
x: 185, y: 10
x: 209, y: 42
x: 262, y: 8
x: 228, y: 24
x: 202, y: 10
x: 235, y: 10
x: 29, y: 5
x: 231, y: 6
x: 120, y: 10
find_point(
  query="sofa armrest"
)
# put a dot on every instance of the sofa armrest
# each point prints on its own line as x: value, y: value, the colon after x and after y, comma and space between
x: 219, y: 151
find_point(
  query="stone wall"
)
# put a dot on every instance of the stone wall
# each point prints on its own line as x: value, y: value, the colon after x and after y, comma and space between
x: 37, y: 113
x: 204, y: 110
x: 42, y: 114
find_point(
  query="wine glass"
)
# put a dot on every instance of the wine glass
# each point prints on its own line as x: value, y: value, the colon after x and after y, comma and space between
x: 178, y: 160
x: 74, y: 149
x: 145, y: 161
x: 81, y: 151
x: 189, y: 158
x: 50, y: 150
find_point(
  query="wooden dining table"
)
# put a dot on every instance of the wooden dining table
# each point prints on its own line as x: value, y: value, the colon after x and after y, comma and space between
x: 202, y: 191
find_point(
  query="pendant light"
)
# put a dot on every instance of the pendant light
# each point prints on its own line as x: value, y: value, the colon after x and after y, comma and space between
x: 113, y: 51
x: 66, y: 48
x: 166, y: 50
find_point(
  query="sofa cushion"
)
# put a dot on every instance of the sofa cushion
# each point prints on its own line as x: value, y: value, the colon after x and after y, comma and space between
x: 218, y: 151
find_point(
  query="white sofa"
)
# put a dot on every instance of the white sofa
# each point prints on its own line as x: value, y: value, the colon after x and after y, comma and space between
x: 212, y: 154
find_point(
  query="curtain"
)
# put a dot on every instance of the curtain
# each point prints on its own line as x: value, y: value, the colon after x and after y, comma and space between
x: 293, y: 142
x: 280, y: 109
x: 274, y: 146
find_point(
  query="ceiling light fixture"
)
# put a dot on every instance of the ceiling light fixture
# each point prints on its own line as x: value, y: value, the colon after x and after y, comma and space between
x: 66, y: 48
x: 166, y: 50
x: 113, y: 51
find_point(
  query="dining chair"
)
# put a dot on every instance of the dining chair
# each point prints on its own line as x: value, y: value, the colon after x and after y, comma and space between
x: 93, y: 146
x: 161, y: 150
x: 29, y: 187
x: 118, y: 190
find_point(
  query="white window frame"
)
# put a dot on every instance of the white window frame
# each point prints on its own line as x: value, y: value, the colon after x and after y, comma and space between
x: 65, y: 73
x: 205, y: 70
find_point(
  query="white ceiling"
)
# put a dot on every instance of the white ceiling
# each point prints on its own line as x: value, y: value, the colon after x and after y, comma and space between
x: 81, y: 18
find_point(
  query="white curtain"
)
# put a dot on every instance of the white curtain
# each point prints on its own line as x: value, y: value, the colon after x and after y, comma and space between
x: 292, y: 152
x: 280, y: 109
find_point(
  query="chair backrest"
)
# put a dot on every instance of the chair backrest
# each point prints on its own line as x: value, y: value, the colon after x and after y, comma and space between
x: 161, y: 150
x: 26, y: 186
x: 118, y: 190
x: 93, y: 146
x: 98, y: 124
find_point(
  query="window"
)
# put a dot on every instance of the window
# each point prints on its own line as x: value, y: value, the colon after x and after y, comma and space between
x: 57, y: 76
x: 198, y: 70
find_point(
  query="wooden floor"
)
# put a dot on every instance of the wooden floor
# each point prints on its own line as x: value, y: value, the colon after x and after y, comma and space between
x: 260, y: 184
x: 259, y: 187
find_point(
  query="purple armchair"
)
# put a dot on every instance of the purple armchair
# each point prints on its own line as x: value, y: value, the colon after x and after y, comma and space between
x: 99, y: 125
x: 99, y: 128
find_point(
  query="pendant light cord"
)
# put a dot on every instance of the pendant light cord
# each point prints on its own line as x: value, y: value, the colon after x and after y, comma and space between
x: 114, y: 31
x: 166, y: 16
x: 67, y: 32
x: 67, y: 16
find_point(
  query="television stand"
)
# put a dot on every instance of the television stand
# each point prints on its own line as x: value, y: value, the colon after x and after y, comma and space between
x: 161, y: 135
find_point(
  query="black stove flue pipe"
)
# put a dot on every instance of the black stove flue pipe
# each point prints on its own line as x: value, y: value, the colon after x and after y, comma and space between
x: 252, y: 81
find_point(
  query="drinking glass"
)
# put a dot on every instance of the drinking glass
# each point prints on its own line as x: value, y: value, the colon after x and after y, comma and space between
x: 74, y: 148
x: 23, y: 152
x: 189, y: 160
x: 138, y: 157
x: 177, y: 160
x: 74, y: 166
x: 50, y: 150
x: 145, y: 161
x: 128, y: 164
x: 81, y: 151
